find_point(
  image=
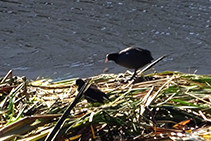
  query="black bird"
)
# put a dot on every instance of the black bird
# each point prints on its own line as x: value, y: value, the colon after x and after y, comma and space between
x: 132, y: 58
x: 92, y: 94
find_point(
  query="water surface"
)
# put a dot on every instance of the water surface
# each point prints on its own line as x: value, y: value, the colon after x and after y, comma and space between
x: 71, y: 38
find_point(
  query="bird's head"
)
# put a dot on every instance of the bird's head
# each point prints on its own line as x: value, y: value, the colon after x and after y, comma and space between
x: 112, y: 56
x: 79, y: 82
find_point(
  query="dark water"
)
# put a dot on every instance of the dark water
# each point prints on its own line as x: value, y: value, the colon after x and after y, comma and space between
x: 63, y: 38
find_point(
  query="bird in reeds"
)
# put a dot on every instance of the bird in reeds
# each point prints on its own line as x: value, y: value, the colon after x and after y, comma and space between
x: 132, y: 58
x: 92, y: 94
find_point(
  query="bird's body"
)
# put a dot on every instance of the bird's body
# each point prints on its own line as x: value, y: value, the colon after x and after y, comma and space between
x: 92, y: 94
x: 132, y: 58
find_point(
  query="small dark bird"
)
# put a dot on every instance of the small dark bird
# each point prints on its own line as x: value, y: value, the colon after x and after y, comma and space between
x: 132, y: 58
x: 92, y: 94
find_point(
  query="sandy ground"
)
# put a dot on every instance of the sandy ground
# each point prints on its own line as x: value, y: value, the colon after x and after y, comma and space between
x: 71, y: 38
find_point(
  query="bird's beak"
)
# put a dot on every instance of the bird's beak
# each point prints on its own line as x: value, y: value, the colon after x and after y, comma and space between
x: 106, y: 60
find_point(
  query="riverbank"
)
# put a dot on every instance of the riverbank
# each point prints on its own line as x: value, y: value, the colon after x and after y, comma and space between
x: 166, y: 105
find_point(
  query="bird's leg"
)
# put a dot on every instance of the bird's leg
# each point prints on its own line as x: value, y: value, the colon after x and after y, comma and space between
x: 134, y: 75
x: 132, y: 78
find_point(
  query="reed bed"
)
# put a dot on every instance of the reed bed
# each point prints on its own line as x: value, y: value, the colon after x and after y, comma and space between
x: 158, y: 106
